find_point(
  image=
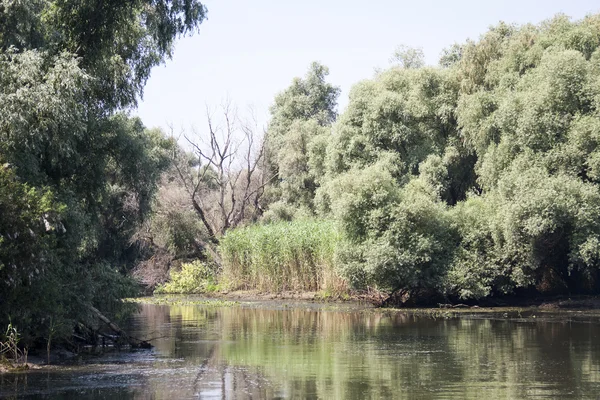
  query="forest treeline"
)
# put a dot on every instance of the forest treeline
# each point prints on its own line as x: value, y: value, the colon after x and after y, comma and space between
x: 471, y: 179
x: 475, y: 178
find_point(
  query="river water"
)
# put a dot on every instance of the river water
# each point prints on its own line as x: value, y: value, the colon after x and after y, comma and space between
x: 304, y: 350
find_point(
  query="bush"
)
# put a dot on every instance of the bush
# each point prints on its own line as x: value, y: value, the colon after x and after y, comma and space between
x: 397, y: 237
x: 477, y: 268
x: 411, y: 251
x: 533, y: 229
x: 194, y: 277
x: 548, y: 226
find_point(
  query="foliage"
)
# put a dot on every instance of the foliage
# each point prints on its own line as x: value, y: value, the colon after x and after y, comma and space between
x: 408, y: 57
x: 547, y: 224
x: 116, y: 42
x: 398, y: 238
x: 176, y: 300
x: 525, y: 108
x: 26, y: 238
x: 477, y: 268
x: 361, y: 200
x: 79, y: 174
x: 297, y: 137
x: 296, y: 255
x: 305, y: 99
x: 194, y: 277
x: 174, y: 225
x: 402, y: 116
x: 476, y: 178
x: 9, y: 346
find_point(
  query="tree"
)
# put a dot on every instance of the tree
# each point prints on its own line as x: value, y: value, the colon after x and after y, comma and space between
x: 478, y: 178
x: 68, y: 69
x: 299, y: 128
x: 408, y: 57
x: 451, y: 56
x: 226, y: 181
x: 117, y: 42
x: 402, y: 116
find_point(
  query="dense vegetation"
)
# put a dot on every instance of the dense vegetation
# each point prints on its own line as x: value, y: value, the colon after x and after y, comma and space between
x: 297, y: 255
x: 77, y: 174
x: 476, y: 178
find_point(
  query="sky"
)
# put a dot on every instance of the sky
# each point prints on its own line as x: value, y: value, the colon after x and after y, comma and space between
x: 248, y: 51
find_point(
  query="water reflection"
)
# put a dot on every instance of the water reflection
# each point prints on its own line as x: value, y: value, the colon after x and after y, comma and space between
x: 264, y: 353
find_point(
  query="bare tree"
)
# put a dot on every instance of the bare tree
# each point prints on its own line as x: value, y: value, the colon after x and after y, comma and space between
x: 227, y: 179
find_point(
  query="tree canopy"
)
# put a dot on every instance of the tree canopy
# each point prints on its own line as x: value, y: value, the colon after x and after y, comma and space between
x: 475, y: 178
x: 296, y: 141
x: 78, y: 172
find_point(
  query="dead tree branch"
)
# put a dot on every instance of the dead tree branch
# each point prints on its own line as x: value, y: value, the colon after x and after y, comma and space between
x: 227, y: 182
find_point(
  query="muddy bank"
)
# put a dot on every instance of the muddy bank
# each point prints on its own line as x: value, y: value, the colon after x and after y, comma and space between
x: 376, y: 299
x: 370, y: 300
x: 33, y: 363
x: 381, y: 299
x: 546, y: 302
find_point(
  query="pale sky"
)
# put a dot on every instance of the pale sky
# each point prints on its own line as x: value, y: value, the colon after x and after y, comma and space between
x: 248, y: 51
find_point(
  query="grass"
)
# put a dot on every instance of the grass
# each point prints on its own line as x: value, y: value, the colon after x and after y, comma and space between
x: 297, y: 255
x: 12, y: 357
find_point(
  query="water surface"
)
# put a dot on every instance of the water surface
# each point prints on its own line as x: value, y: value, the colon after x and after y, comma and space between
x: 280, y: 350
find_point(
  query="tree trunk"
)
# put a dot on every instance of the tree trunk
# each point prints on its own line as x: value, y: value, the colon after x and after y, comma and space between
x: 200, y: 212
x: 133, y: 342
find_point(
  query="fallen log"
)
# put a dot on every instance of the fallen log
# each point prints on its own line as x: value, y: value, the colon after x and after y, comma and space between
x: 132, y: 341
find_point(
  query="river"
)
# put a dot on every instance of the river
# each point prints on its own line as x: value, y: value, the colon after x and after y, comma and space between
x: 304, y: 350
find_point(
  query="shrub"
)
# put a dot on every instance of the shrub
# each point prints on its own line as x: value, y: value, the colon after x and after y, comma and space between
x: 533, y: 229
x: 410, y: 252
x: 477, y: 268
x: 194, y: 277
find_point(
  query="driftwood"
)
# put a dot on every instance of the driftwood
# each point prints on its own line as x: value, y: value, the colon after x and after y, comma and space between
x: 388, y: 300
x: 133, y: 342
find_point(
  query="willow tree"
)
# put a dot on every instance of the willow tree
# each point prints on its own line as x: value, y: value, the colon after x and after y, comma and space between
x: 68, y: 70
x: 528, y: 109
x: 297, y: 137
x: 479, y: 177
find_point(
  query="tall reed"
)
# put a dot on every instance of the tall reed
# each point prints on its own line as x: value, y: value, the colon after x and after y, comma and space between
x: 297, y: 255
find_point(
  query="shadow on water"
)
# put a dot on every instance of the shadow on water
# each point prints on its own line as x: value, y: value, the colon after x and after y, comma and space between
x: 246, y: 352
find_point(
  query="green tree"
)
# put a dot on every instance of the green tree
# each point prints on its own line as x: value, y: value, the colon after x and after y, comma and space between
x: 408, y: 57
x: 300, y: 125
x: 68, y: 69
x: 478, y: 178
x: 117, y: 42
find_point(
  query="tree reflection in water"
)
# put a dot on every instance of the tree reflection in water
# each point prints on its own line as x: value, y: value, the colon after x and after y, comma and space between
x: 305, y: 351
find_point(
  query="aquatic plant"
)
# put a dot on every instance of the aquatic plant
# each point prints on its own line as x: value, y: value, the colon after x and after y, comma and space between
x: 9, y: 347
x: 296, y: 255
x: 182, y: 301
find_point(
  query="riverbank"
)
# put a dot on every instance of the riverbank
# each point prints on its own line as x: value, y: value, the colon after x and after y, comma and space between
x: 37, y: 358
x: 32, y: 363
x: 373, y: 300
x: 9, y: 367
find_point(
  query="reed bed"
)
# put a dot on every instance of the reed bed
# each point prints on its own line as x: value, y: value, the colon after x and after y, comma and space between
x: 283, y: 256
